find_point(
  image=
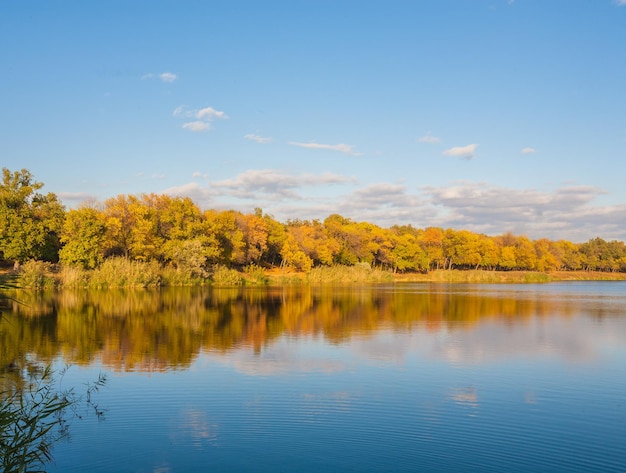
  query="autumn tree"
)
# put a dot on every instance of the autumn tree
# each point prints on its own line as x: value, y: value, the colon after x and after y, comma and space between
x: 314, y: 241
x: 406, y: 253
x: 431, y: 240
x: 276, y: 235
x: 548, y: 255
x: 461, y: 248
x: 254, y: 234
x: 83, y: 237
x: 223, y: 226
x: 186, y: 240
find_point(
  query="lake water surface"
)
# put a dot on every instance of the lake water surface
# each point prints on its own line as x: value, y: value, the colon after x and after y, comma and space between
x: 404, y: 377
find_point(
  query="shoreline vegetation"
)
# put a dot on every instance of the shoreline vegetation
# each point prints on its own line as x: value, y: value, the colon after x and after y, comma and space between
x: 152, y: 240
x: 122, y: 273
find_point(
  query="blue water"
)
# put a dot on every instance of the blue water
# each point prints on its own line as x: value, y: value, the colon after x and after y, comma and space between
x: 540, y: 391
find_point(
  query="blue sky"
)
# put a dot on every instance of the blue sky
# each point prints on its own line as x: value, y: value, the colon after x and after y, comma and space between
x: 486, y: 115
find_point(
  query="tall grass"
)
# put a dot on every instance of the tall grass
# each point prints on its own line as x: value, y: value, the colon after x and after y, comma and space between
x: 120, y: 273
x: 171, y: 276
x: 478, y: 276
x: 348, y: 274
x: 36, y: 275
x: 223, y: 276
x: 114, y: 272
x: 34, y: 417
x: 255, y: 276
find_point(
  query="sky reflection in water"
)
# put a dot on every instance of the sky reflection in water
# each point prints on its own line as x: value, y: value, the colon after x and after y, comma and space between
x: 394, y: 378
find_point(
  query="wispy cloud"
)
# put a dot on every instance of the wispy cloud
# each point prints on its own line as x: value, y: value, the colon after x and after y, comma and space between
x: 275, y: 184
x: 258, y: 187
x: 76, y: 196
x: 341, y: 147
x: 204, y: 117
x: 197, y: 126
x: 209, y: 113
x: 168, y: 77
x: 258, y: 138
x: 531, y: 150
x: 465, y: 152
x: 428, y: 138
x: 620, y: 3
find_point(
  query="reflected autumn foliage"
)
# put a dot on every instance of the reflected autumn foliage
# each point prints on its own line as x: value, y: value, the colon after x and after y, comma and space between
x: 155, y: 330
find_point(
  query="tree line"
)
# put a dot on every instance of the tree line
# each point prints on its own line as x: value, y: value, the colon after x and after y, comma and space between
x: 174, y: 231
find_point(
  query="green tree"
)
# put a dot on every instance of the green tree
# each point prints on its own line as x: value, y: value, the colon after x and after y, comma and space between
x: 30, y: 222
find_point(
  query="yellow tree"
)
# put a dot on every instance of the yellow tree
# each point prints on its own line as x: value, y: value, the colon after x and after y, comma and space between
x: 431, y: 241
x: 461, y: 247
x: 254, y: 234
x: 313, y: 241
x: 276, y: 235
x: 489, y: 251
x: 187, y: 243
x: 407, y: 254
x: 119, y: 220
x: 570, y: 255
x: 507, y: 259
x: 525, y: 253
x: 548, y: 255
x: 223, y: 226
x: 293, y: 256
x: 83, y: 237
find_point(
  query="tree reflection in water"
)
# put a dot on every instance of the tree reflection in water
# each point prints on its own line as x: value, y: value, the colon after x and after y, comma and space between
x: 155, y: 330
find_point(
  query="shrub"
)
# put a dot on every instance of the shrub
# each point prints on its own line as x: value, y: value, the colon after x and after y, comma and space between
x: 74, y: 277
x: 36, y: 275
x: 222, y: 276
x: 121, y: 272
x: 255, y: 275
x: 171, y: 276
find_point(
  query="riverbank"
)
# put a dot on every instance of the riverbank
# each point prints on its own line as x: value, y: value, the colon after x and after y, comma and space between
x: 137, y: 274
x: 342, y: 274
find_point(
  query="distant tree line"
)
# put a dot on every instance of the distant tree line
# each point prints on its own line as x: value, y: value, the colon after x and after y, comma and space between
x: 175, y: 231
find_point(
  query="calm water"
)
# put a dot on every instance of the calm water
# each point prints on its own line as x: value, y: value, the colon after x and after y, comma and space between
x: 412, y: 377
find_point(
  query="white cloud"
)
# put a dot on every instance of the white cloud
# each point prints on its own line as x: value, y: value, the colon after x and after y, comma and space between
x: 275, y: 184
x: 168, y: 77
x: 258, y: 187
x: 465, y: 152
x: 341, y: 147
x: 257, y: 138
x: 428, y: 138
x: 620, y: 3
x: 204, y: 117
x: 201, y: 195
x: 569, y: 212
x: 531, y: 150
x: 209, y: 113
x: 76, y: 196
x: 197, y: 126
